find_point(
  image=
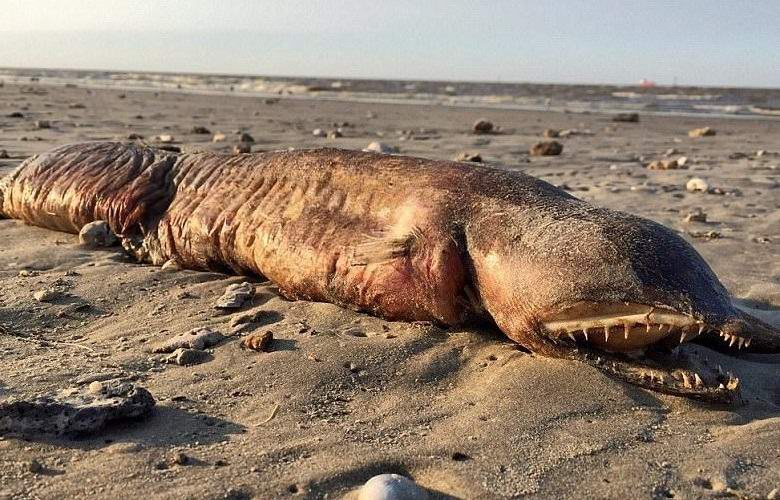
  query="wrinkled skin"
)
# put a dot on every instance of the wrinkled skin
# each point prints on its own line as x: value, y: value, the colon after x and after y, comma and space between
x: 409, y: 239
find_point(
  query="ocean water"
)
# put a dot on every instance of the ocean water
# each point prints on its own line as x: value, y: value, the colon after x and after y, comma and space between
x: 531, y: 96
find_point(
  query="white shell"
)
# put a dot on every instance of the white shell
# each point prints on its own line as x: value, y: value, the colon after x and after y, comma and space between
x: 392, y: 487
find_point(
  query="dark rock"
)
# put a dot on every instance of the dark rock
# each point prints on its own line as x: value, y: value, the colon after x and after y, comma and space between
x: 546, y: 148
x: 76, y: 411
x: 15, y: 114
x: 244, y: 137
x: 626, y: 117
x: 199, y: 129
x: 242, y: 148
x: 482, y: 126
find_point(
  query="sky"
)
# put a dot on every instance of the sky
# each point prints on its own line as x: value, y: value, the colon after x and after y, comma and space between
x: 692, y: 42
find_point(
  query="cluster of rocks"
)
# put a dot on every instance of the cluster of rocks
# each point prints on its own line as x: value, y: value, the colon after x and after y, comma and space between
x: 189, y: 348
x: 669, y: 164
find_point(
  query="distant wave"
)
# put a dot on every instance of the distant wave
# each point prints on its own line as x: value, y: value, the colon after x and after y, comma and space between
x: 529, y: 96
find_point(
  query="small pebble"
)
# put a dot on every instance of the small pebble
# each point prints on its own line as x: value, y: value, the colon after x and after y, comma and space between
x: 469, y: 156
x: 380, y: 147
x: 219, y: 137
x: 697, y: 184
x: 258, y: 341
x: 626, y: 117
x: 701, y: 132
x: 187, y: 357
x: 696, y: 216
x: 318, y: 132
x: 97, y: 234
x: 170, y: 266
x: 482, y: 126
x: 546, y: 148
x: 45, y: 295
x: 235, y: 296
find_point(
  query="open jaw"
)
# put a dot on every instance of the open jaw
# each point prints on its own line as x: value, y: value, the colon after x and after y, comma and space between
x: 635, y: 342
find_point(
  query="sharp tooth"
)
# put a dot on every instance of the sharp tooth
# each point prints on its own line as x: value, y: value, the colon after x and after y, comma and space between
x: 741, y: 342
x: 585, y: 331
x: 747, y: 341
x: 701, y: 328
x: 571, y: 336
x: 697, y: 380
x: 661, y: 378
x: 733, y: 339
x: 606, y: 334
x: 626, y: 330
x: 647, y: 328
x: 721, y: 386
x: 686, y: 380
x: 682, y: 336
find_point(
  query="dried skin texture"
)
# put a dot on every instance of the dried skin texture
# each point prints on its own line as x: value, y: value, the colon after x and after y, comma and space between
x: 403, y: 238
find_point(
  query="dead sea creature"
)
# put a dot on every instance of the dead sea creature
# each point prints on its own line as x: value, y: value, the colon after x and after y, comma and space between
x: 409, y: 239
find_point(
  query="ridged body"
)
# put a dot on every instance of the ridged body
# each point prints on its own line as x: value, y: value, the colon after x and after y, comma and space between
x: 404, y: 238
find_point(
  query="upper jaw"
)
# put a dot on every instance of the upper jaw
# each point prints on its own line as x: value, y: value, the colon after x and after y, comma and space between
x: 625, y: 327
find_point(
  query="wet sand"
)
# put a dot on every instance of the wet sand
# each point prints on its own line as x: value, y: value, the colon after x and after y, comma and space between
x: 342, y: 396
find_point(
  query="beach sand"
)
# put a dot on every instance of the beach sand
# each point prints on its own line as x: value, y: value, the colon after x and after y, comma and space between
x: 342, y: 396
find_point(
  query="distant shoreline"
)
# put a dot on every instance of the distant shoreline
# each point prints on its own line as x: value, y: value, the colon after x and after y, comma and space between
x: 753, y: 103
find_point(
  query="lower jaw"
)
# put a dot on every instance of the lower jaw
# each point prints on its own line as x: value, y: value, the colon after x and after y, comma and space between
x: 635, y: 343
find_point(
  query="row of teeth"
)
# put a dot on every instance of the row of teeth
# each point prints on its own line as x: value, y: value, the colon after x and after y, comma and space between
x: 732, y: 339
x: 686, y: 333
x: 689, y: 380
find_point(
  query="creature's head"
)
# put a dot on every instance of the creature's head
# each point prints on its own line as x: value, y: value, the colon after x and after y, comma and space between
x: 573, y: 280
